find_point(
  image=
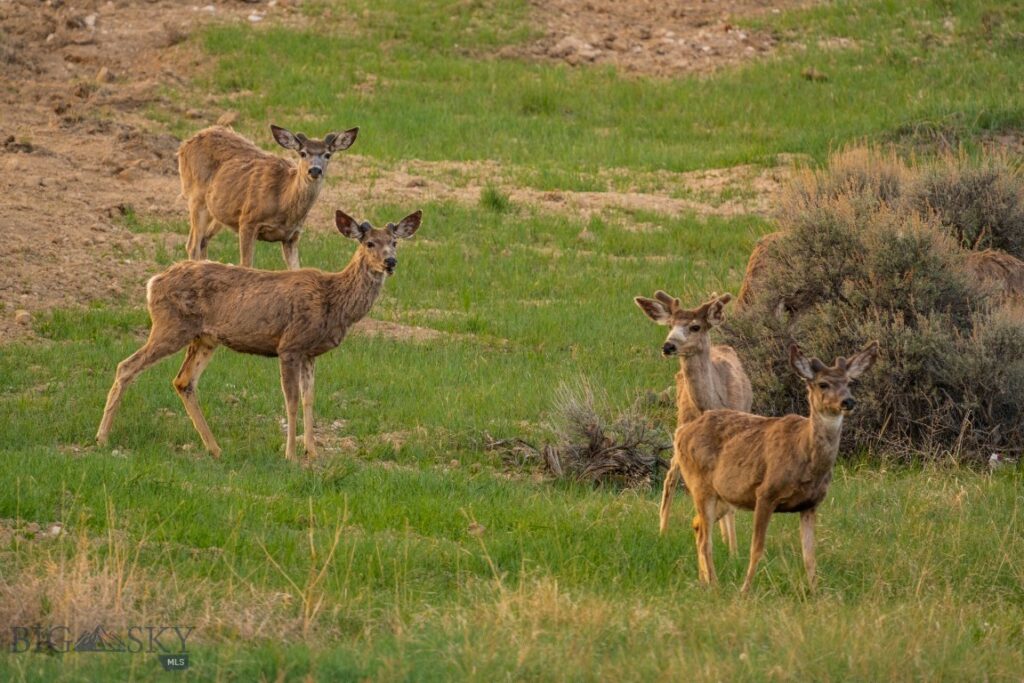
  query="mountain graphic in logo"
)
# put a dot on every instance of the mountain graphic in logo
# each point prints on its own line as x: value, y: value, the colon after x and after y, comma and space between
x: 99, y: 640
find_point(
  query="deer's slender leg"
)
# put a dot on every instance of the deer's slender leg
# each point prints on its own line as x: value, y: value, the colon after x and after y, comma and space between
x: 306, y: 377
x: 807, y: 519
x: 155, y: 349
x: 185, y: 383
x: 290, y: 251
x: 762, y: 514
x: 727, y: 525
x: 199, y: 223
x: 703, y: 525
x: 708, y: 527
x: 671, y: 482
x: 247, y: 233
x: 211, y: 230
x: 290, y: 373
x: 698, y: 533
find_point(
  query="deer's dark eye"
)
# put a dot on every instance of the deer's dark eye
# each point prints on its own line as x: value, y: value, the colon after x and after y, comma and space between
x: 695, y: 328
x: 369, y: 245
x: 822, y: 385
x: 394, y: 244
x: 302, y: 153
x: 327, y: 155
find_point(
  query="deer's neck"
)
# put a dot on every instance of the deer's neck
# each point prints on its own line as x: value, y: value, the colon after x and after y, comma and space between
x: 353, y: 291
x: 696, y: 390
x: 823, y: 440
x: 302, y: 190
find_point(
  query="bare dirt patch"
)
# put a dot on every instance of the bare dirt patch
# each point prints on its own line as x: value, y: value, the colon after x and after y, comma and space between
x: 731, y: 191
x: 75, y: 143
x: 651, y: 37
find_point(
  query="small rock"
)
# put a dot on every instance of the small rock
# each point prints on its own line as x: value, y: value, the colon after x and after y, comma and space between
x: 104, y: 75
x: 454, y: 464
x: 90, y: 21
x: 476, y: 529
x: 194, y: 114
x: 995, y: 461
x: 255, y: 17
x: 23, y: 317
x: 812, y: 74
x: 227, y: 118
x: 793, y: 159
x: 571, y: 46
x: 128, y: 175
x: 13, y: 145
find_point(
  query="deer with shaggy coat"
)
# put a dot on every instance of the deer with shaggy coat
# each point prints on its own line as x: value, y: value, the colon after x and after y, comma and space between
x: 709, y: 377
x: 293, y: 315
x: 768, y: 464
x: 227, y: 180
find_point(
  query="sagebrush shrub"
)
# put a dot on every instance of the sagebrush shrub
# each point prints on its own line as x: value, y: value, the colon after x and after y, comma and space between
x: 862, y: 256
x: 981, y: 205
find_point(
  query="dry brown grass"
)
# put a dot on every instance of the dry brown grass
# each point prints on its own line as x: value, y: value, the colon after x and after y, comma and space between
x: 80, y: 581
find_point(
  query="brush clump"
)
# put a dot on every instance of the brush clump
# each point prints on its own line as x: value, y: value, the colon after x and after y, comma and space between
x: 594, y: 443
x: 912, y: 255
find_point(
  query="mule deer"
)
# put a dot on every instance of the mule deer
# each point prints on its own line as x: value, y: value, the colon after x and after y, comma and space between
x: 709, y: 377
x: 294, y: 315
x: 228, y: 180
x: 767, y: 464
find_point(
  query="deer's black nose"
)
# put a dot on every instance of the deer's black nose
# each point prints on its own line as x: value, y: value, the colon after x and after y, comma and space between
x: 848, y: 404
x: 668, y: 348
x: 391, y: 262
x: 315, y: 171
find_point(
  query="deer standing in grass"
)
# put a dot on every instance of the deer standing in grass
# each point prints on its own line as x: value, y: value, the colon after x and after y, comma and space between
x: 294, y: 315
x: 709, y: 377
x: 228, y: 180
x: 767, y: 464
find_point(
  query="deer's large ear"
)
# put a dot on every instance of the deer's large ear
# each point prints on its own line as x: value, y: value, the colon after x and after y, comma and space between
x: 347, y: 225
x: 339, y: 141
x: 671, y: 303
x: 862, y: 360
x: 654, y: 309
x: 285, y: 138
x: 408, y: 226
x: 800, y: 363
x: 714, y: 315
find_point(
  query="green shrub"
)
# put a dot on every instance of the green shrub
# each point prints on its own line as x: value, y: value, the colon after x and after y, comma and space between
x: 861, y: 256
x: 981, y: 205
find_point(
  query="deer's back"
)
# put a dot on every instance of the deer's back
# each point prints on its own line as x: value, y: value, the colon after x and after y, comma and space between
x: 734, y: 385
x: 733, y: 452
x: 202, y: 156
x: 248, y: 310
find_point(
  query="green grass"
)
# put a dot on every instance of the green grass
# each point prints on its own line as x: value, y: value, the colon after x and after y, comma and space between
x: 440, y: 94
x: 920, y: 569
